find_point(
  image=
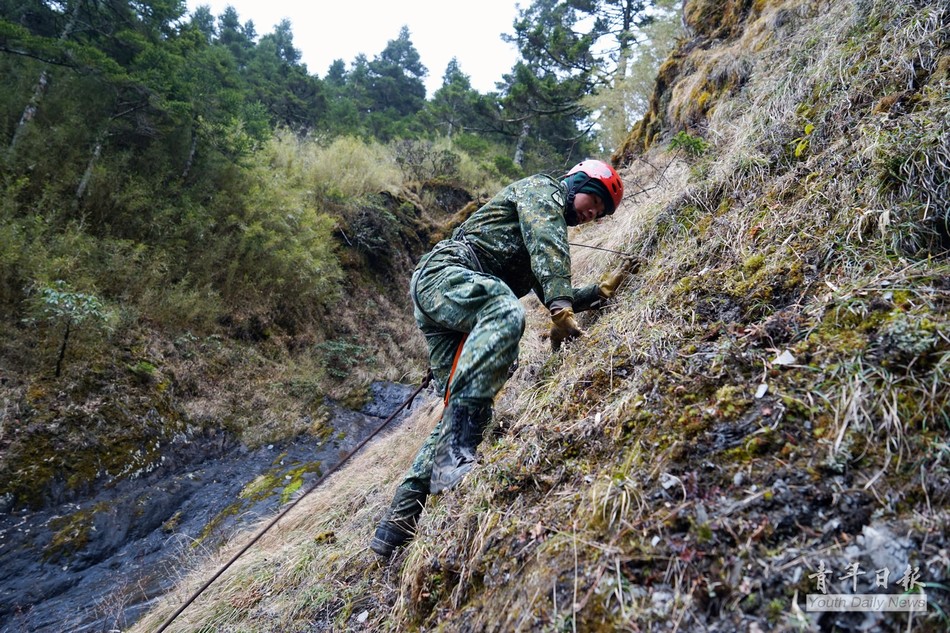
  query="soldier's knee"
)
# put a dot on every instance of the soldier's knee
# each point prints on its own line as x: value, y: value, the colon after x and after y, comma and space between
x: 512, y: 314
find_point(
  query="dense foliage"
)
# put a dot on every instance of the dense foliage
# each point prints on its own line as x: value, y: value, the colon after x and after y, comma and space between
x: 138, y: 150
x: 172, y: 182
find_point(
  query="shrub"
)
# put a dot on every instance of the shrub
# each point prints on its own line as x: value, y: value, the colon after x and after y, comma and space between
x: 691, y: 145
x: 59, y: 306
x: 339, y: 356
x: 374, y: 229
x: 347, y: 167
x: 422, y: 161
x: 272, y: 249
x: 507, y: 168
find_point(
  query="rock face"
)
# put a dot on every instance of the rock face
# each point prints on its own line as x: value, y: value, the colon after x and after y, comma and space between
x: 95, y: 563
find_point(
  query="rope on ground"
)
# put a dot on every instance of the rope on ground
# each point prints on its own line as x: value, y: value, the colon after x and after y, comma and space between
x: 290, y: 507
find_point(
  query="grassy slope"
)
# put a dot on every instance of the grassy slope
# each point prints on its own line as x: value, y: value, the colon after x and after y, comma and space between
x: 645, y: 479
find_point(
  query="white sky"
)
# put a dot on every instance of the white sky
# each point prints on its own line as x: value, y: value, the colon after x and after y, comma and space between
x: 324, y: 30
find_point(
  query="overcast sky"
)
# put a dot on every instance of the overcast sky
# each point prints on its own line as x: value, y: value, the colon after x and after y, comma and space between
x: 469, y: 30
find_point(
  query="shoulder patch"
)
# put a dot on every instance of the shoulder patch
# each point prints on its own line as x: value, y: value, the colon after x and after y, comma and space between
x: 558, y: 197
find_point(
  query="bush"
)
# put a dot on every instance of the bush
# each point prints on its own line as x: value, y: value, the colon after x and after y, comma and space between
x: 339, y: 356
x: 59, y: 306
x: 374, y: 230
x: 422, y: 161
x: 347, y: 167
x: 507, y: 168
x: 691, y: 145
x: 271, y: 250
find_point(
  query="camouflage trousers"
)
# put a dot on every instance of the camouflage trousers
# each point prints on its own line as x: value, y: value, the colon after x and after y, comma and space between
x: 455, y: 302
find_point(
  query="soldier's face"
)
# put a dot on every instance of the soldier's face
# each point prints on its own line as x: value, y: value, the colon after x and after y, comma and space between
x: 588, y: 207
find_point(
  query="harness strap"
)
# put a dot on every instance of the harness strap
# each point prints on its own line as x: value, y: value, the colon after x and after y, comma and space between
x: 455, y: 362
x: 457, y: 238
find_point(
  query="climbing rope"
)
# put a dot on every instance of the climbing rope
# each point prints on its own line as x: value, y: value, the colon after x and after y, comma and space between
x: 290, y: 507
x: 600, y: 248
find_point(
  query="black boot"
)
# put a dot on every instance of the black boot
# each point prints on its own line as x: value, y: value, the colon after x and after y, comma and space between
x: 454, y: 456
x: 399, y: 525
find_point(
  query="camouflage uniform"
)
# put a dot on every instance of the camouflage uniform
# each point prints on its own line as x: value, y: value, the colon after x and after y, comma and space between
x: 468, y: 287
x: 465, y: 293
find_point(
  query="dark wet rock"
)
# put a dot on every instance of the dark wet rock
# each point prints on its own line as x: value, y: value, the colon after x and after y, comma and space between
x: 95, y: 563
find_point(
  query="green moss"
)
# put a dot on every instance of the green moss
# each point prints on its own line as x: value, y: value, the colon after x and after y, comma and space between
x: 71, y: 532
x: 172, y: 523
x: 325, y: 538
x: 91, y: 439
x: 762, y: 280
x: 754, y: 446
x: 357, y: 398
x: 775, y: 610
x: 294, y: 477
x: 261, y: 487
x: 232, y: 510
x: 686, y: 284
x: 275, y: 481
x: 703, y: 532
x: 692, y: 422
x: 753, y: 263
x: 731, y: 402
x: 143, y: 368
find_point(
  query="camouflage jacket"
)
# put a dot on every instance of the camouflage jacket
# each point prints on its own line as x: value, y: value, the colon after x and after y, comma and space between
x: 520, y: 236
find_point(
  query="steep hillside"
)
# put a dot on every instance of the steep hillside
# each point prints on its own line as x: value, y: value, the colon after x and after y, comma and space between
x: 766, y: 398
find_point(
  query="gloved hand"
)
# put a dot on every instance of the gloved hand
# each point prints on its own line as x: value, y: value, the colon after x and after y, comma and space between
x: 564, y: 327
x: 611, y: 281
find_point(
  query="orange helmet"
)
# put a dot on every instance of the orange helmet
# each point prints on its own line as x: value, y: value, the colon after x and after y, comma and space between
x: 606, y: 175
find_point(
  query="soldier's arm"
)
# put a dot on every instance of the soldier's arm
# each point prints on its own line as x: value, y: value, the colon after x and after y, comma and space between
x: 540, y: 211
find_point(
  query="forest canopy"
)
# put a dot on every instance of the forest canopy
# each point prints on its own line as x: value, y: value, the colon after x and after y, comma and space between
x: 147, y: 147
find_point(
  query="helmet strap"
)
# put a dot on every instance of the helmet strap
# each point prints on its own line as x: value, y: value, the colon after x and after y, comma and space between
x: 570, y: 213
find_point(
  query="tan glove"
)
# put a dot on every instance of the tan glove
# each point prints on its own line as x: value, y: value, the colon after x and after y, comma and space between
x: 564, y: 327
x: 609, y: 283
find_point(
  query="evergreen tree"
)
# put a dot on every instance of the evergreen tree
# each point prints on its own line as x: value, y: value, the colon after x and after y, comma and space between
x: 389, y: 90
x: 569, y: 49
x: 342, y: 113
x: 336, y: 74
x: 454, y: 106
x: 573, y: 38
x: 282, y: 84
x: 542, y: 96
x: 203, y: 21
x: 238, y: 39
x: 621, y: 101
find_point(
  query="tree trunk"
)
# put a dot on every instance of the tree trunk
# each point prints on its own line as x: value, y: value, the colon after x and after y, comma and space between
x: 84, y: 183
x: 30, y: 111
x: 191, y: 154
x: 97, y: 152
x: 62, y: 350
x: 522, y: 139
x: 40, y: 90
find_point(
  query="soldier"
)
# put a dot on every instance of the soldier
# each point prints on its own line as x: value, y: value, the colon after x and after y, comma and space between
x: 465, y: 292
